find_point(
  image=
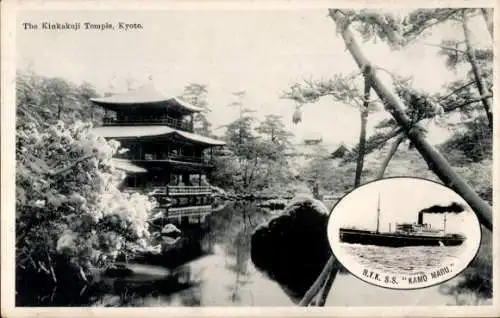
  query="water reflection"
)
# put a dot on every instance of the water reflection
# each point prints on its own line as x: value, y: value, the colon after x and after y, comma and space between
x: 213, y: 268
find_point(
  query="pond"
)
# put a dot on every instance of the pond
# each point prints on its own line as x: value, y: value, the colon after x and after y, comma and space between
x: 216, y: 270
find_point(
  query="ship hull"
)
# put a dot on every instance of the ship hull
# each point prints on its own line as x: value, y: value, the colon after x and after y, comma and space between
x: 396, y: 240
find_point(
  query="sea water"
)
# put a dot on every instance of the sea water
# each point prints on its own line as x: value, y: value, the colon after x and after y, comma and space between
x: 402, y: 260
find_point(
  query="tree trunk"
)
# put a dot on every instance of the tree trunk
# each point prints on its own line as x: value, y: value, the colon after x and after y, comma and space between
x: 59, y: 108
x: 488, y: 17
x: 391, y: 153
x: 325, y: 290
x: 481, y: 85
x: 331, y: 268
x: 362, y: 135
x: 436, y: 162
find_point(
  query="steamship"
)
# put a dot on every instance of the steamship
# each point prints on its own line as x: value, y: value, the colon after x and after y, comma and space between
x: 405, y: 234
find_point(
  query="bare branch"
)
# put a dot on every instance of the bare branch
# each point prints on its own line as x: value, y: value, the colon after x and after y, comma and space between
x: 477, y: 99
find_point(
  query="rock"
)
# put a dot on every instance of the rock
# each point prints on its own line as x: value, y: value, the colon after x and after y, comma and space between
x: 171, y: 230
x: 118, y: 270
x: 293, y: 247
x: 273, y: 204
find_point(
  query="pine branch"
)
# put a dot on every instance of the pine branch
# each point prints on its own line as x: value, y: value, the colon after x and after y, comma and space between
x: 474, y: 100
x: 413, y: 33
x: 374, y: 142
x: 457, y: 90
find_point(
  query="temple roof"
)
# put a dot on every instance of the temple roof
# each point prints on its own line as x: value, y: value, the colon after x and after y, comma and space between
x: 145, y: 96
x: 153, y: 130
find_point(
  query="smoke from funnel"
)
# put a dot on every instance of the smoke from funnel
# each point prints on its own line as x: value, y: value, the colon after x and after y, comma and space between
x: 438, y: 209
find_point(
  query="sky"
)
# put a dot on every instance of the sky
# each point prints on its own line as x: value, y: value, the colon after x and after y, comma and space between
x: 261, y: 52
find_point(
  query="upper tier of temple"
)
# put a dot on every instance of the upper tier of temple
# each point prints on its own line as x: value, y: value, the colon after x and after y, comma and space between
x: 146, y: 113
x: 145, y: 97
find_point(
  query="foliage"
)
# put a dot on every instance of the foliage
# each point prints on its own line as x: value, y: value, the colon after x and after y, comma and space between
x: 47, y: 99
x: 67, y: 201
x: 254, y: 158
x: 473, y: 143
x: 399, y: 30
x: 421, y: 20
x: 196, y: 94
x: 373, y: 24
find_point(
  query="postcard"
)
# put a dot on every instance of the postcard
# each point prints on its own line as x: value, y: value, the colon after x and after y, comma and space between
x: 249, y: 158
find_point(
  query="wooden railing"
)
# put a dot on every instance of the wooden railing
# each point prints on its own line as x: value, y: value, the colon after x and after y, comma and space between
x: 190, y: 190
x: 189, y: 211
x: 169, y: 190
x: 165, y: 120
x: 165, y: 156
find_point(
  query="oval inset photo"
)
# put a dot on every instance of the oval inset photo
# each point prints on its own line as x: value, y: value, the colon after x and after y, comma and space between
x: 404, y: 233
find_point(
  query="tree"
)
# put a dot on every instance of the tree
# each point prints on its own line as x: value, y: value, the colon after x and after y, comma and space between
x: 69, y: 210
x: 84, y: 93
x: 254, y: 158
x: 196, y: 94
x: 59, y: 93
x: 275, y: 144
x: 43, y: 99
x: 342, y: 89
x: 478, y: 77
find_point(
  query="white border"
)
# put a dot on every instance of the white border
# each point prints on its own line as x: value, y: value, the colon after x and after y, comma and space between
x: 8, y: 60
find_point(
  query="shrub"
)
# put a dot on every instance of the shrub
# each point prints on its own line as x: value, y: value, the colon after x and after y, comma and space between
x: 68, y: 205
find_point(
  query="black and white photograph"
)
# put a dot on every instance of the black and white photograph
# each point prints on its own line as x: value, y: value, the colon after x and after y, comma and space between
x: 388, y: 236
x: 250, y: 157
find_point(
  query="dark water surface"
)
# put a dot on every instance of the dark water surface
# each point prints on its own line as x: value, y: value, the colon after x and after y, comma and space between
x: 214, y: 270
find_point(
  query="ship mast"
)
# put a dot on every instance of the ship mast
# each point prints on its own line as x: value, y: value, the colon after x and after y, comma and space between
x: 444, y: 223
x: 378, y: 213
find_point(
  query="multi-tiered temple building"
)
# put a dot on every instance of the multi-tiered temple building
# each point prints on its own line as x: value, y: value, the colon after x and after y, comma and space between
x: 162, y: 157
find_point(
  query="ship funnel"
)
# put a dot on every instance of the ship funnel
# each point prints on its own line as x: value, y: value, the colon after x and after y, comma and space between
x: 420, y: 217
